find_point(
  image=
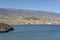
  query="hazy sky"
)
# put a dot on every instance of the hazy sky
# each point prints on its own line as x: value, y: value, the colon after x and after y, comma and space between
x: 44, y: 5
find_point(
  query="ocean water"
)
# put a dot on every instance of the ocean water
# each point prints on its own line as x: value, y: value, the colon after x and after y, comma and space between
x: 33, y: 32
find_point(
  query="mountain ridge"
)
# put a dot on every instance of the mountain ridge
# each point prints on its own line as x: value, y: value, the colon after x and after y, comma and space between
x: 28, y: 13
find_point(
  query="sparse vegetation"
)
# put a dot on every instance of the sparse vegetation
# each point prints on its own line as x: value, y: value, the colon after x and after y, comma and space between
x: 28, y: 17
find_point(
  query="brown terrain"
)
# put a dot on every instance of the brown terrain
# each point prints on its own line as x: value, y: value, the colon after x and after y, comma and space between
x: 29, y: 20
x: 22, y: 16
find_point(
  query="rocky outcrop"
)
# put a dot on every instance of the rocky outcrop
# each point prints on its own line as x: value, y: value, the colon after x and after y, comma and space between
x: 5, y: 27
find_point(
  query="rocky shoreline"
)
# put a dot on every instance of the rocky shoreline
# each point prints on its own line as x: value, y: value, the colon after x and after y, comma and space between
x: 5, y: 28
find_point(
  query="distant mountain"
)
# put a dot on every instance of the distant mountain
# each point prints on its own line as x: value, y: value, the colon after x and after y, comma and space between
x: 28, y: 13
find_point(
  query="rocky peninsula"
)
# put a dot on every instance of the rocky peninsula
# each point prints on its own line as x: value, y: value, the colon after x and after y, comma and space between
x: 5, y: 28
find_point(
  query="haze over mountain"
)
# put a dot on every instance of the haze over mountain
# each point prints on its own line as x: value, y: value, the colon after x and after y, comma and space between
x: 28, y: 13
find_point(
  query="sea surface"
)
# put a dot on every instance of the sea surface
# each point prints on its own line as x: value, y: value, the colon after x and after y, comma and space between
x: 32, y: 32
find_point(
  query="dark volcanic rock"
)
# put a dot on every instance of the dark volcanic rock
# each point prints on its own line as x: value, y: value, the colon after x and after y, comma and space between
x: 5, y: 27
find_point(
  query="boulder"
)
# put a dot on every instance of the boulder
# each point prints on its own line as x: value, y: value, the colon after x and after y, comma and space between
x: 5, y: 27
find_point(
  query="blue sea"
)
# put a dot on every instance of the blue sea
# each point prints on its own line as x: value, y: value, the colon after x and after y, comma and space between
x: 32, y: 32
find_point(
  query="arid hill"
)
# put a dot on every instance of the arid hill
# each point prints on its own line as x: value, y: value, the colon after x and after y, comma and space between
x: 27, y: 13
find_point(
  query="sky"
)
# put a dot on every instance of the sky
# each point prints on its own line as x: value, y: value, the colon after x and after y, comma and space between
x: 42, y: 5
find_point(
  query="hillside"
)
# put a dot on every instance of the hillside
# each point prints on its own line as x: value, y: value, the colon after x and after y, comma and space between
x: 7, y: 15
x: 23, y: 12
